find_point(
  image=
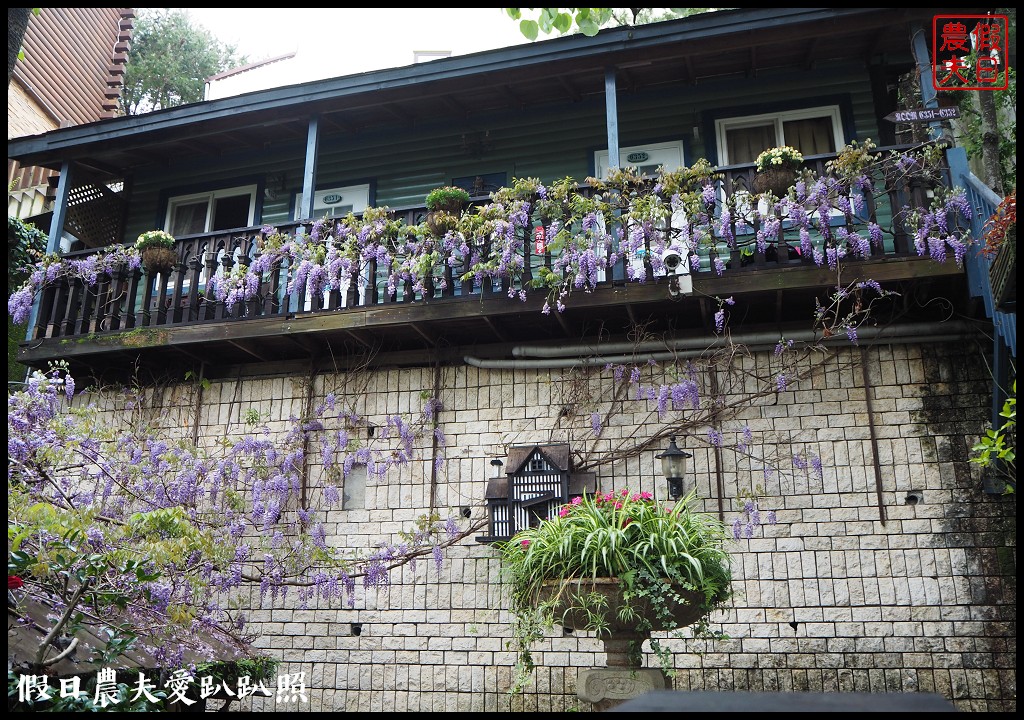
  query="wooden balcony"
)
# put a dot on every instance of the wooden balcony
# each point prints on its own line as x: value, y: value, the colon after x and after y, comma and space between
x: 168, y: 317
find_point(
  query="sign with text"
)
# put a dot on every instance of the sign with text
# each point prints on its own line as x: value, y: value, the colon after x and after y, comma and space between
x: 915, y: 115
x: 970, y: 52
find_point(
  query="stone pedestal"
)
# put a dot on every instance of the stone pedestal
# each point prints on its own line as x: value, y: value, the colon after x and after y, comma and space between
x: 607, y: 687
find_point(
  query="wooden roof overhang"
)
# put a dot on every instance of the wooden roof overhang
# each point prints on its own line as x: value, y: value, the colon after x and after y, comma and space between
x: 702, y: 48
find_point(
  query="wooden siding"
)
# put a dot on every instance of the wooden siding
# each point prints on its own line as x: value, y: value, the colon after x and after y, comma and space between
x: 68, y: 53
x: 407, y: 160
x: 72, y: 72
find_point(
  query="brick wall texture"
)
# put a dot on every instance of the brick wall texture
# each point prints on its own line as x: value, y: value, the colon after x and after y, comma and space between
x: 831, y: 598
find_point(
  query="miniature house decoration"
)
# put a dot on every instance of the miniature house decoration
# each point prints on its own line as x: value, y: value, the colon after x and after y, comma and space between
x: 536, y: 481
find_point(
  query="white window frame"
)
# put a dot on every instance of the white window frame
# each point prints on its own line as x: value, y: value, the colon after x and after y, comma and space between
x: 358, y: 196
x: 723, y: 125
x: 210, y: 196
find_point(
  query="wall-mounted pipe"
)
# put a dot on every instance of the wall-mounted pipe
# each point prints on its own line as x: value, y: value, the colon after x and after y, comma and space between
x: 752, y: 338
x: 954, y: 331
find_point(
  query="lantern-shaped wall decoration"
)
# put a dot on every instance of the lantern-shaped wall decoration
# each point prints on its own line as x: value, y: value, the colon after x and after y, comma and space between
x: 537, y: 480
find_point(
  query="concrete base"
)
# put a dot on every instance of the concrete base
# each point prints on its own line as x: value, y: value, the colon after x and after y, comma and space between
x: 608, y: 687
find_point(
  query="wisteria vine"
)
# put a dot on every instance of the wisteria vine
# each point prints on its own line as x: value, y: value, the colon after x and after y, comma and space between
x: 627, y: 219
x: 158, y: 536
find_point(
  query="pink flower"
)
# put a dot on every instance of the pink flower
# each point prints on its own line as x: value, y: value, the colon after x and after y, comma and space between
x: 525, y: 543
x: 577, y: 500
x: 646, y: 496
x: 563, y: 511
x: 618, y: 506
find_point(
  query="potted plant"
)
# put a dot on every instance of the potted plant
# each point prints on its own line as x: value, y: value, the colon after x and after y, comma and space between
x: 157, y: 250
x: 1001, y: 246
x: 619, y: 564
x: 445, y: 206
x: 776, y: 169
x: 448, y: 198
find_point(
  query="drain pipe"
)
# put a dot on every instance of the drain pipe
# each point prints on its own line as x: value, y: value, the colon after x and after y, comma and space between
x: 753, y: 338
x: 695, y: 347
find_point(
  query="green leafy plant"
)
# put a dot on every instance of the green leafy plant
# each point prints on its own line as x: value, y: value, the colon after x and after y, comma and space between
x: 154, y: 238
x: 663, y: 556
x: 445, y: 198
x: 998, y: 448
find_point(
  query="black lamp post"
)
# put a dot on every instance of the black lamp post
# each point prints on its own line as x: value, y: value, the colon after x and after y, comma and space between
x: 673, y: 466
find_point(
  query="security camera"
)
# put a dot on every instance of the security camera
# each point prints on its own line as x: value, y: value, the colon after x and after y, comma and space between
x: 674, y: 259
x: 677, y: 268
x: 671, y: 258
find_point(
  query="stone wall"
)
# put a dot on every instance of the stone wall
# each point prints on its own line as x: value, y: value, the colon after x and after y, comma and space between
x: 895, y: 580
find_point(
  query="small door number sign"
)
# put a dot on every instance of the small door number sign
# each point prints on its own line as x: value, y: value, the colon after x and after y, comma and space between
x: 923, y: 115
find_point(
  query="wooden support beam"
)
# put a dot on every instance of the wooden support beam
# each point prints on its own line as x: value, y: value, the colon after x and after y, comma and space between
x: 303, y: 343
x: 406, y: 117
x: 808, y: 61
x: 511, y: 96
x: 571, y: 90
x: 455, y: 106
x: 705, y: 314
x: 497, y: 333
x: 358, y: 340
x: 431, y: 340
x: 244, y: 347
x: 631, y: 314
x: 561, y: 321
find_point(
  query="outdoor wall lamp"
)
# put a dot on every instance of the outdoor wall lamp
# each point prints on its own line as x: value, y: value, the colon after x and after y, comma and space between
x: 496, y: 464
x: 673, y: 466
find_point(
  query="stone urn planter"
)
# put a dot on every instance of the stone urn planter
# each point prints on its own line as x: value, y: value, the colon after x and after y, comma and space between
x: 622, y: 565
x: 624, y: 633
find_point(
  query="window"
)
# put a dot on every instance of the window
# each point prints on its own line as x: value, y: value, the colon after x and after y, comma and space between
x: 645, y: 158
x: 211, y: 211
x: 478, y: 185
x: 813, y: 131
x: 336, y: 201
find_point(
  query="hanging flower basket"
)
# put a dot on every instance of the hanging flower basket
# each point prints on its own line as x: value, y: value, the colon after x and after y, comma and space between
x: 158, y: 259
x: 778, y: 181
x: 439, y: 222
x: 449, y: 199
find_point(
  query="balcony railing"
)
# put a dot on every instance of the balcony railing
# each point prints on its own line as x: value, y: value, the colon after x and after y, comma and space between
x: 133, y: 299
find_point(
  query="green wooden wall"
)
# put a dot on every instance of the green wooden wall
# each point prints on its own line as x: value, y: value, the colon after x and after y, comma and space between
x: 550, y: 142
